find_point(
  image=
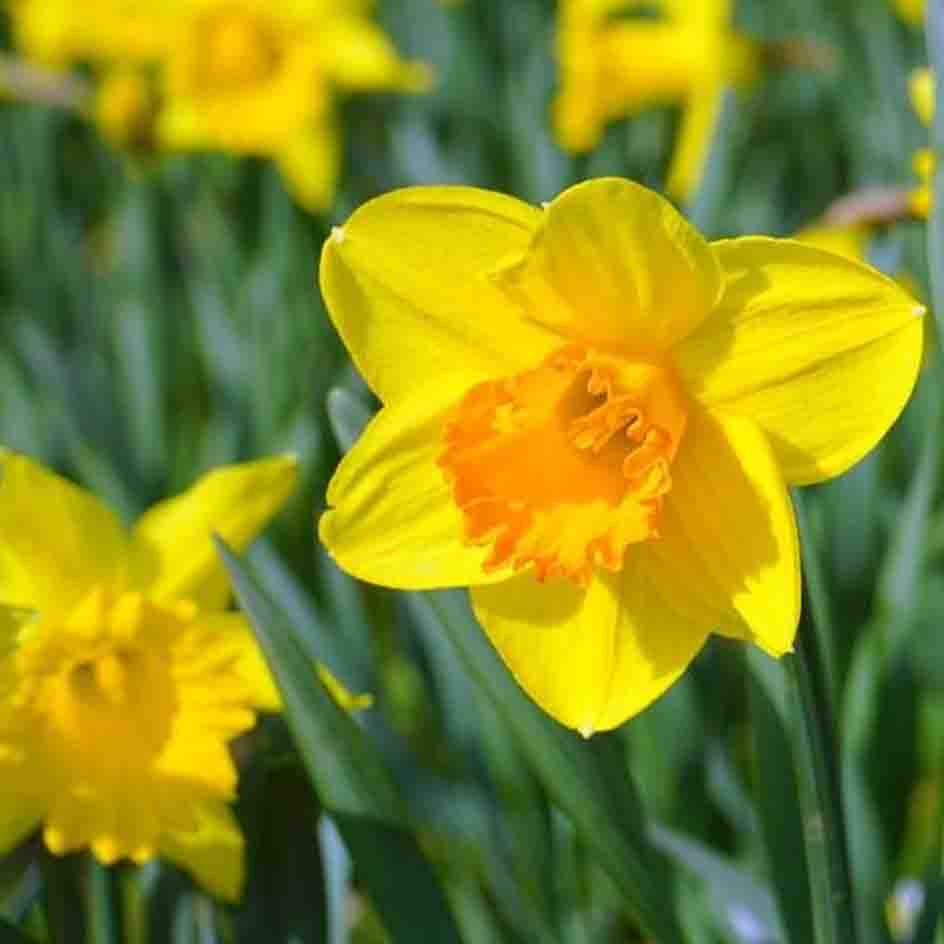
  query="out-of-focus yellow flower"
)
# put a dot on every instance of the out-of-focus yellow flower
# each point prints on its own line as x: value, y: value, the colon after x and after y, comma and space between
x: 122, y: 675
x: 591, y: 417
x: 921, y: 88
x: 912, y: 11
x: 257, y: 77
x: 613, y: 64
x: 64, y: 32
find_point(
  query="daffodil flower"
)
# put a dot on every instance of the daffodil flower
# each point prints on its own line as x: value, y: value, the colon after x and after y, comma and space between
x: 921, y: 88
x: 591, y: 417
x: 123, y: 676
x: 613, y: 65
x: 260, y: 77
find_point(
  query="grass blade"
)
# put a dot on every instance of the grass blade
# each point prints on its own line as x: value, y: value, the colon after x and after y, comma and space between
x: 349, y: 777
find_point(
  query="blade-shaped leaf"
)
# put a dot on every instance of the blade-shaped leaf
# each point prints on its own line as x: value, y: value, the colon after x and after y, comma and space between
x: 743, y: 906
x: 587, y: 779
x: 349, y: 777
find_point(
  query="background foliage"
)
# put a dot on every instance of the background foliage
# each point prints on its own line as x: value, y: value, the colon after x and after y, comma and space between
x: 156, y: 320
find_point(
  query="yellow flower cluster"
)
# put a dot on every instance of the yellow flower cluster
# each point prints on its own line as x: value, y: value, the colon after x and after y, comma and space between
x: 254, y: 77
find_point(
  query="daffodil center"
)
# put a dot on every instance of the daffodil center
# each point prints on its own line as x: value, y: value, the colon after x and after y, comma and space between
x: 101, y: 674
x: 110, y: 681
x: 237, y: 51
x: 562, y: 467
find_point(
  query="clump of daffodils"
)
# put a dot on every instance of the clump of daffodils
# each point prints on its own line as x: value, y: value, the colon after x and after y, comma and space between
x: 250, y: 77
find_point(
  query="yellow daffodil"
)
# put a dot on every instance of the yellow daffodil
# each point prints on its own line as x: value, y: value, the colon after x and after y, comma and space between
x: 591, y: 417
x: 613, y: 64
x: 122, y: 675
x: 258, y: 77
x: 921, y: 88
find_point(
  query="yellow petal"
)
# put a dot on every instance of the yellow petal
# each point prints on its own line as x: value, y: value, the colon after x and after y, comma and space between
x: 212, y: 852
x: 850, y: 240
x: 357, y: 55
x: 21, y: 806
x: 172, y: 547
x: 615, y: 262
x: 821, y: 351
x: 57, y: 541
x: 641, y: 63
x: 344, y: 698
x: 392, y: 519
x: 728, y: 549
x: 310, y: 164
x: 695, y: 136
x: 921, y: 89
x: 591, y: 658
x: 704, y: 11
x: 594, y: 657
x: 406, y: 283
x: 230, y: 634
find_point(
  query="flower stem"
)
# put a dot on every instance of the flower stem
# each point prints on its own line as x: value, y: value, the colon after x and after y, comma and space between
x: 824, y: 831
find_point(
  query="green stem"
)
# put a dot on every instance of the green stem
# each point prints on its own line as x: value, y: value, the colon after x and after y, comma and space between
x: 824, y: 831
x: 817, y: 596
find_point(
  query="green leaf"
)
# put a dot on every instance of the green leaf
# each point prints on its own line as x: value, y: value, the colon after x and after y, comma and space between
x: 348, y: 415
x: 349, y: 777
x: 743, y: 906
x: 62, y: 898
x: 777, y: 793
x: 904, y: 565
x: 104, y: 911
x: 11, y: 934
x: 284, y: 900
x: 587, y: 779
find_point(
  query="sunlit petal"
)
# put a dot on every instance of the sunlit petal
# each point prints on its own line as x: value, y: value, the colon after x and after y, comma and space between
x: 406, y: 281
x: 212, y: 852
x: 614, y: 262
x: 591, y: 658
x: 56, y: 539
x: 789, y: 345
x: 392, y: 519
x: 173, y: 551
